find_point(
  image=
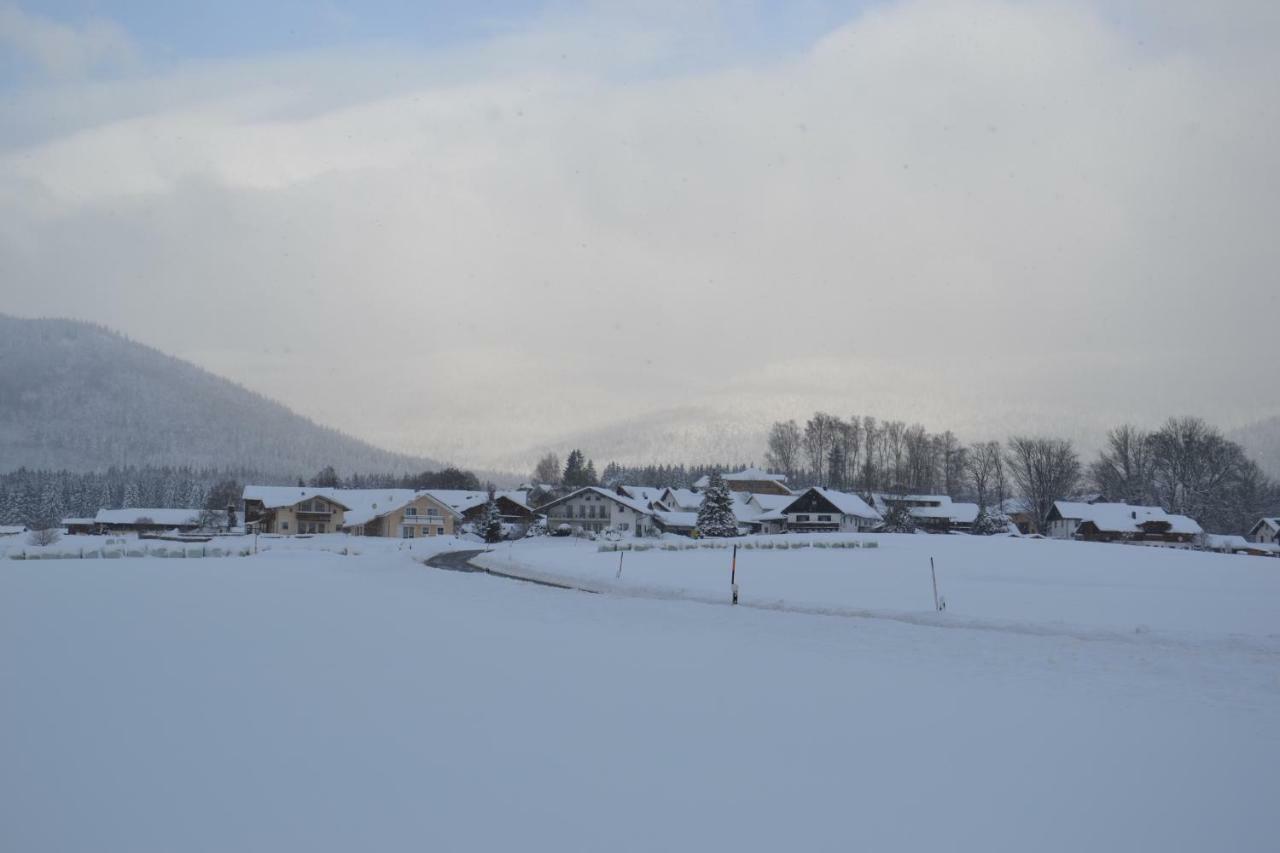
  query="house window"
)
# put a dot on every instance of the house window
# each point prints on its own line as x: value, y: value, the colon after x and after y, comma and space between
x: 431, y: 511
x: 284, y: 525
x: 439, y: 531
x: 802, y: 518
x: 824, y: 518
x: 406, y: 532
x: 411, y: 511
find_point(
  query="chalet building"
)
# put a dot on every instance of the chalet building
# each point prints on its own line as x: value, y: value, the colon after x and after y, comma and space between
x: 647, y: 495
x: 79, y: 526
x: 1119, y: 522
x: 513, y: 505
x: 931, y: 513
x: 1266, y: 531
x: 820, y: 510
x: 400, y: 513
x: 596, y: 509
x: 290, y: 510
x: 144, y: 520
x: 753, y: 480
x: 682, y: 523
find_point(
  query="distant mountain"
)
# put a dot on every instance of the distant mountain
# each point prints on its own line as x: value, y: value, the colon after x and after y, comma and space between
x: 694, y: 434
x: 79, y: 397
x: 1262, y: 442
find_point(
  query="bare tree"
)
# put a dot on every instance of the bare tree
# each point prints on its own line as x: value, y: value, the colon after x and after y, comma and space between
x: 44, y: 536
x: 548, y: 470
x: 1044, y: 470
x: 952, y: 459
x: 894, y: 443
x: 819, y: 435
x: 1124, y: 470
x: 785, y: 443
x: 984, y: 465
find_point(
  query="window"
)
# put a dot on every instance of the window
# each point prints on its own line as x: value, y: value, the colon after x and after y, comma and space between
x: 410, y: 512
x: 439, y: 531
x: 824, y: 518
x: 284, y: 525
x: 802, y: 518
x: 406, y: 532
x: 431, y: 511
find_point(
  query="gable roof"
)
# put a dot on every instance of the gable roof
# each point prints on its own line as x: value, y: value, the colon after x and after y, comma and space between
x: 846, y: 503
x: 278, y: 497
x: 462, y: 500
x: 613, y: 496
x: 682, y: 498
x: 1124, y: 518
x: 1273, y: 523
x: 744, y: 474
x: 158, y: 515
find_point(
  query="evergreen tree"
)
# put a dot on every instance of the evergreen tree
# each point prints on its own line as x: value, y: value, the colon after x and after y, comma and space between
x: 490, y: 526
x: 715, y: 516
x: 590, y: 475
x: 899, y: 520
x: 989, y: 523
x: 327, y: 478
x: 575, y: 471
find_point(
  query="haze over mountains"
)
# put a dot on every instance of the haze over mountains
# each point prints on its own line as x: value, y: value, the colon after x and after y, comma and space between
x: 79, y: 397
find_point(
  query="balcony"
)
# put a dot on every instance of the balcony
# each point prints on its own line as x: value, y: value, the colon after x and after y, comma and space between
x: 433, y: 520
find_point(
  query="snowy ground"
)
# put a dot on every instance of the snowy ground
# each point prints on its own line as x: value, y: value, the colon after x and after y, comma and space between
x: 304, y: 700
x: 1087, y: 589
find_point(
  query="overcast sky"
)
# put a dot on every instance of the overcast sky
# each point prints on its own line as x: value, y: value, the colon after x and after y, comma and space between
x: 470, y: 230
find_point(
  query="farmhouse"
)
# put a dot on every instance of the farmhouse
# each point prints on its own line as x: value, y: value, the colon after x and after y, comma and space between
x: 513, y: 505
x: 595, y: 509
x: 397, y: 513
x: 819, y: 510
x: 146, y: 520
x: 1111, y: 522
x: 1266, y: 531
x: 932, y: 513
x: 292, y: 509
x: 754, y: 480
x: 680, y: 500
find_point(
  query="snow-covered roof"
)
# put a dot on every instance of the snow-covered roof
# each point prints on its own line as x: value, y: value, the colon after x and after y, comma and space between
x: 14, y: 529
x: 364, y: 505
x: 1226, y: 542
x: 960, y: 513
x: 462, y: 500
x: 613, y: 496
x: 1272, y: 524
x: 278, y: 497
x: 772, y: 502
x: 847, y: 503
x: 744, y: 474
x: 677, y: 519
x: 157, y: 515
x: 682, y: 498
x: 69, y: 522
x: 644, y: 494
x: 1124, y: 518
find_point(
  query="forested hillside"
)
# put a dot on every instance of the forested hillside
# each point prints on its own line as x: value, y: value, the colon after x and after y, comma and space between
x: 79, y: 397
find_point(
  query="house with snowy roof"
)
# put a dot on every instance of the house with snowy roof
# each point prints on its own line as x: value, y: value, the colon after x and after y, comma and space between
x: 1113, y: 522
x: 396, y: 513
x: 513, y: 504
x: 290, y: 510
x: 931, y: 513
x: 647, y: 495
x: 1266, y: 531
x: 681, y: 500
x: 147, y: 520
x: 819, y: 510
x: 595, y: 510
x: 754, y: 480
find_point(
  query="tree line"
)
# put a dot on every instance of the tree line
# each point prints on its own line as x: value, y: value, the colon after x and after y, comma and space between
x: 41, y: 499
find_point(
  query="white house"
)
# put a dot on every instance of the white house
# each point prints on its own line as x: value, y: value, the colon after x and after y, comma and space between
x: 681, y: 500
x: 755, y: 480
x: 1107, y: 522
x: 595, y: 510
x: 937, y: 513
x: 1266, y: 531
x: 821, y: 510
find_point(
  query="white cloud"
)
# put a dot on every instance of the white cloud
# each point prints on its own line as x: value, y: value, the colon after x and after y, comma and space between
x: 982, y: 214
x: 64, y: 50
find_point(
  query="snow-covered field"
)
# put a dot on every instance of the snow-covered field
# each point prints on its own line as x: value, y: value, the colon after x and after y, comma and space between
x: 305, y: 700
x: 1041, y: 585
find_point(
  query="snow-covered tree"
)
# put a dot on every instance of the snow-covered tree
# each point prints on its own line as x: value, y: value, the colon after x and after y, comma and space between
x: 715, y: 516
x: 989, y: 522
x: 489, y: 527
x: 899, y: 520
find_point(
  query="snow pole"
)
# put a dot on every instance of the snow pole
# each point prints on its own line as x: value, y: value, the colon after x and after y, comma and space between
x: 934, y: 573
x: 621, y: 554
x: 733, y: 575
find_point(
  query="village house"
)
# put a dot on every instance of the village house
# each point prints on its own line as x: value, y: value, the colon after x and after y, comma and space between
x: 79, y: 526
x: 753, y: 480
x: 596, y: 510
x: 398, y: 513
x: 1119, y: 522
x: 680, y: 500
x: 647, y: 495
x: 819, y: 510
x: 1266, y: 531
x: 291, y: 510
x: 143, y: 520
x: 513, y: 505
x: 931, y: 513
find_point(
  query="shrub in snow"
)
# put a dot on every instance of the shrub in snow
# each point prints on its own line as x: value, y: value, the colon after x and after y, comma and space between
x: 990, y: 523
x: 46, y: 536
x: 872, y: 544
